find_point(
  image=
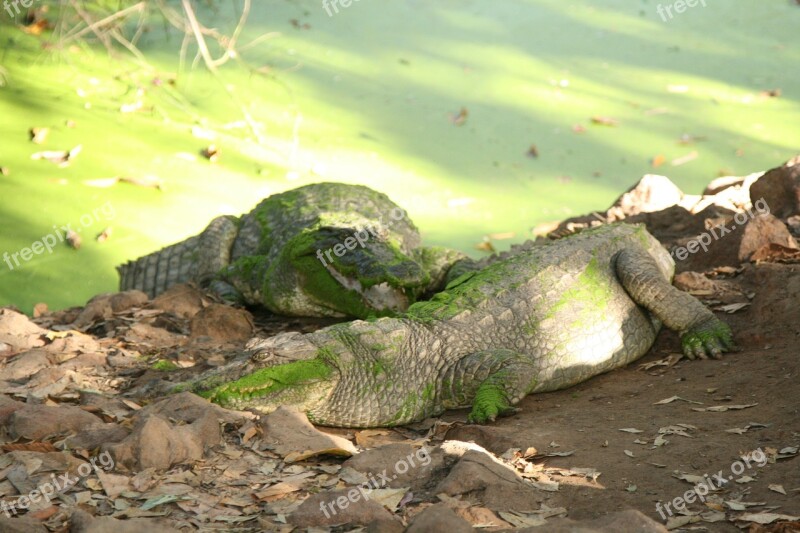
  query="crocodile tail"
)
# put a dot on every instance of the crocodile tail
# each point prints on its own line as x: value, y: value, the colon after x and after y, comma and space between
x: 198, y: 259
x: 155, y: 273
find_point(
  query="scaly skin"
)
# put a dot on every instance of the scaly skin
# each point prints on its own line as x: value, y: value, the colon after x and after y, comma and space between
x: 544, y: 319
x: 283, y: 255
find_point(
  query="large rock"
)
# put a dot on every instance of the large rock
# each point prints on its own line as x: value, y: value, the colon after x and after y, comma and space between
x: 83, y: 522
x: 416, y: 465
x: 346, y: 506
x: 35, y: 422
x: 103, y: 306
x: 223, y: 323
x: 482, y: 476
x: 439, y: 517
x: 288, y: 433
x: 780, y: 189
x: 761, y: 231
x: 18, y: 333
x: 629, y: 521
x: 652, y: 193
x: 178, y: 429
x: 184, y: 300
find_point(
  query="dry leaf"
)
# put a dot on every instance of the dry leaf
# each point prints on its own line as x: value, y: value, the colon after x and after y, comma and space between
x: 723, y: 408
x: 691, y: 156
x: 39, y: 135
x: 628, y: 453
x: 59, y: 157
x: 104, y: 235
x: 460, y: 118
x: 211, y: 152
x: 777, y: 488
x: 604, y: 121
x: 765, y: 518
x: 675, y: 398
x: 776, y: 253
x: 658, y: 160
x: 632, y: 430
x: 533, y: 151
x: 732, y: 308
x: 74, y: 240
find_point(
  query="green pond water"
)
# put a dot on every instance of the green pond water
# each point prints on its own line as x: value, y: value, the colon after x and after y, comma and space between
x: 373, y: 95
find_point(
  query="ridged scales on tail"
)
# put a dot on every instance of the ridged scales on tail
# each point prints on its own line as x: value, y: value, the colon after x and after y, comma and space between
x: 326, y: 249
x: 543, y: 319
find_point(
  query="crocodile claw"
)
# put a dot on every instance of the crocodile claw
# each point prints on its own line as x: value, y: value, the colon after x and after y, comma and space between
x: 712, y: 337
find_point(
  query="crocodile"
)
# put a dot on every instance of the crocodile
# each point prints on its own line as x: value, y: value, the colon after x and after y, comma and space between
x: 545, y: 318
x: 321, y: 250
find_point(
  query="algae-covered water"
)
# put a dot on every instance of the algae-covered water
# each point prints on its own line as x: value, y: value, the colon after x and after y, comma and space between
x: 440, y: 105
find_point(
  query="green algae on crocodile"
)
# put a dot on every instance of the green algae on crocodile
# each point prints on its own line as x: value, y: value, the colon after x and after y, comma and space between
x: 546, y: 318
x: 326, y: 249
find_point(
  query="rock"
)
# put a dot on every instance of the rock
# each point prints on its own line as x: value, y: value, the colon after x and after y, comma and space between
x: 720, y: 184
x: 439, y: 517
x: 693, y: 281
x: 83, y: 522
x: 416, y: 465
x: 184, y: 300
x: 187, y: 407
x: 17, y: 331
x: 482, y: 476
x: 35, y: 422
x: 95, y: 436
x: 26, y: 364
x: 223, y: 323
x: 84, y: 361
x: 103, y: 306
x: 155, y: 442
x: 629, y: 521
x: 385, y: 526
x: 489, y: 437
x: 763, y: 230
x: 289, y: 434
x: 7, y: 408
x: 23, y: 524
x: 780, y: 189
x: 149, y: 335
x: 346, y: 506
x: 652, y: 193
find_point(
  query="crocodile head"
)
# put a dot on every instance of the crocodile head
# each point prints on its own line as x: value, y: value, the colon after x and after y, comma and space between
x: 286, y: 369
x: 357, y: 268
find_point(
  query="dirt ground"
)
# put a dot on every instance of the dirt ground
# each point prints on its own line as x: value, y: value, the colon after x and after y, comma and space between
x: 87, y: 385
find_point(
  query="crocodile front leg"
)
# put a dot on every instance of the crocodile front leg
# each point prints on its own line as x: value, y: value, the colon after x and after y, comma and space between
x: 702, y: 334
x: 493, y: 381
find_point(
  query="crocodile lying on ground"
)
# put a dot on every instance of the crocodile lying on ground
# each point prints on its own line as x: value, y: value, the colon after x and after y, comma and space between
x: 326, y: 249
x: 543, y: 319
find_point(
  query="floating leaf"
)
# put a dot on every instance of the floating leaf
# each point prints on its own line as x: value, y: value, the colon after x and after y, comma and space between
x: 604, y: 121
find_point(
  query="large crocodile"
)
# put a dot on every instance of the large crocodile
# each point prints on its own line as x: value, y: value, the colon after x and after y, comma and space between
x: 326, y: 249
x: 543, y: 319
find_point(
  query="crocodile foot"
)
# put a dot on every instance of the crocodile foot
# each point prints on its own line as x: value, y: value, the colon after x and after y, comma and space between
x: 710, y: 337
x: 490, y: 402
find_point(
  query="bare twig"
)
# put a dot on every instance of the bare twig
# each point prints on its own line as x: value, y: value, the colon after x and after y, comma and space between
x: 92, y: 27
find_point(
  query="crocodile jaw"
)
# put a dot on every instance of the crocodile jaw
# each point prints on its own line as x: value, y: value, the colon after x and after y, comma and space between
x: 382, y: 297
